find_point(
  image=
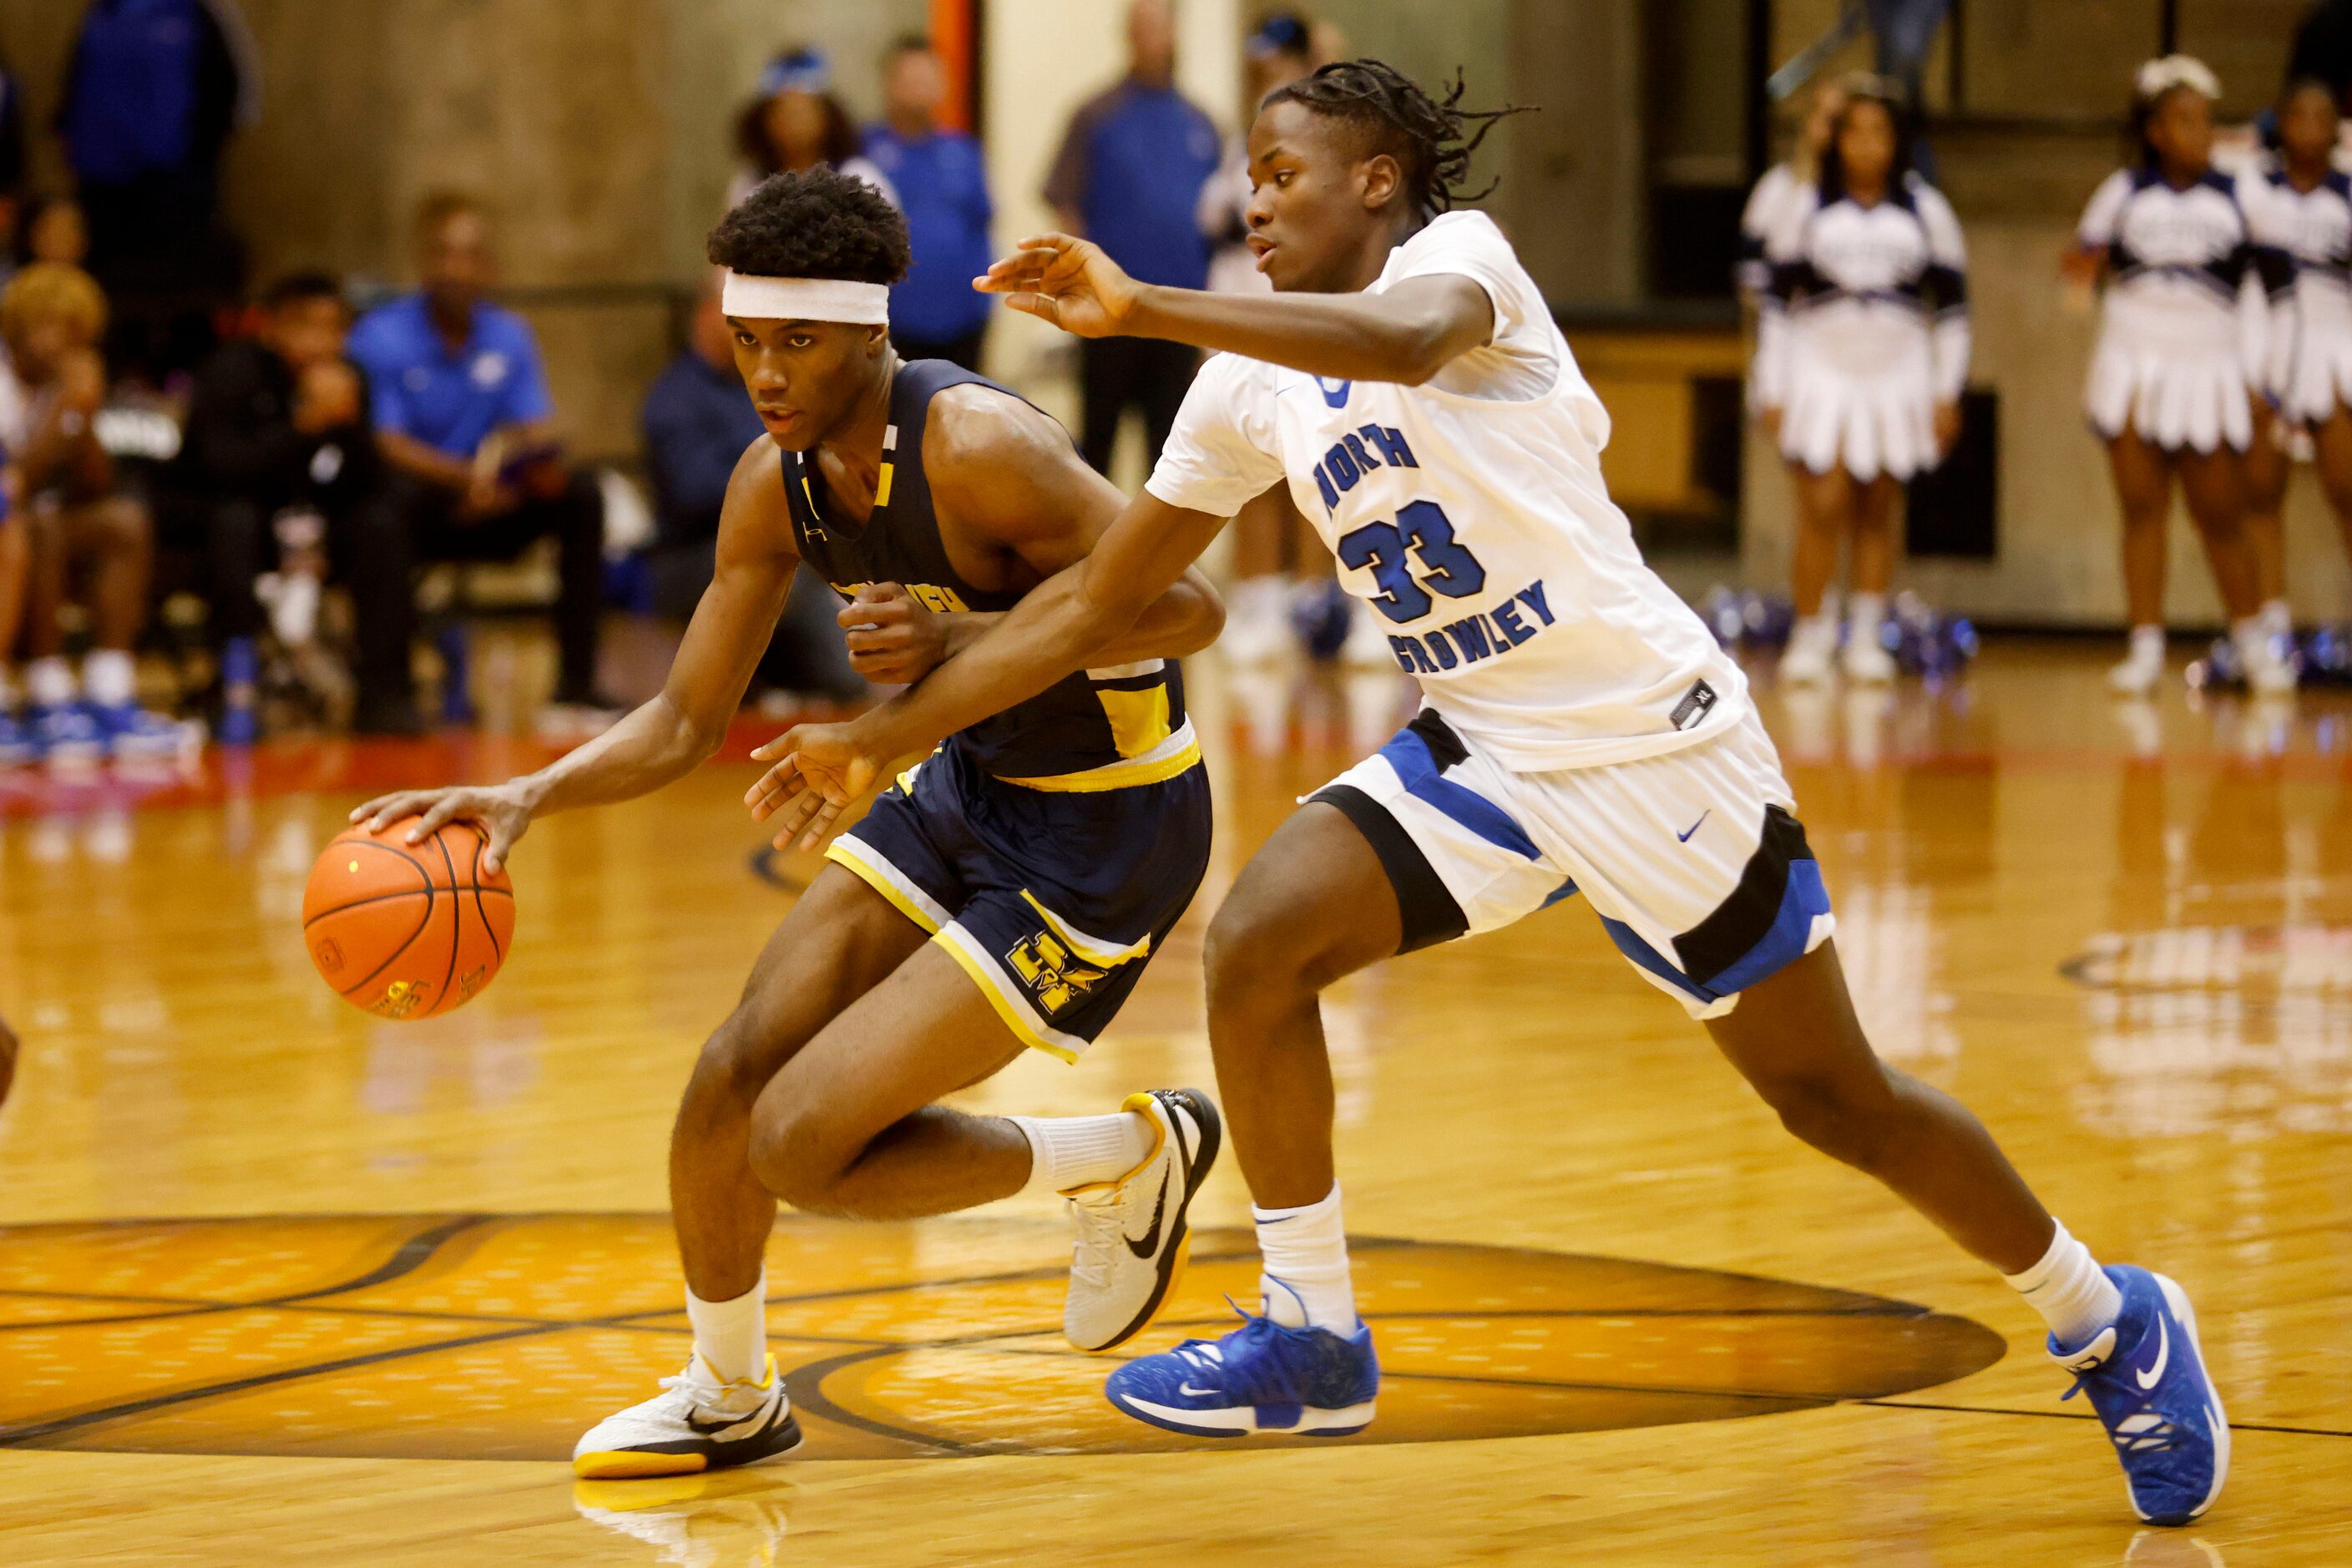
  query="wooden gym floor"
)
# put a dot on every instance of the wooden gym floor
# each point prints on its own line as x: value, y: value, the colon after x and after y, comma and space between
x: 282, y: 1283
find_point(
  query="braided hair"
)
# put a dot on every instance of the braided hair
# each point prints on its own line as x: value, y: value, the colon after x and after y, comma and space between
x: 1423, y: 134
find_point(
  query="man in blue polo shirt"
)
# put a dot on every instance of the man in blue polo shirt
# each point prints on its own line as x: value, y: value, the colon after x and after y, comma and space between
x: 1128, y: 177
x: 463, y: 419
x: 942, y: 186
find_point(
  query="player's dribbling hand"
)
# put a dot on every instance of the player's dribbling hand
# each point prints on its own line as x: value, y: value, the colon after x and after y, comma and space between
x: 820, y: 769
x: 500, y: 810
x: 893, y: 638
x: 1069, y: 282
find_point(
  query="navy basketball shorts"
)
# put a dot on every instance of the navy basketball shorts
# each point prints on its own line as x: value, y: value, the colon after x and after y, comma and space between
x: 1693, y: 860
x: 1052, y: 901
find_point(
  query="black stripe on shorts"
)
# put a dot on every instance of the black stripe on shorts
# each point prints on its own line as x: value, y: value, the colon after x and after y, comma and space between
x: 1427, y: 909
x: 1741, y: 920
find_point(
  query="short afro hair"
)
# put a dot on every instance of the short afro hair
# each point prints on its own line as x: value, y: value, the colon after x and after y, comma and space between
x: 816, y: 223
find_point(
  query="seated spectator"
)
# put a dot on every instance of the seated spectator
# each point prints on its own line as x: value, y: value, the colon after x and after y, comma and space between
x: 463, y: 420
x: 697, y: 422
x: 794, y: 122
x: 82, y: 525
x: 277, y: 465
x: 942, y: 185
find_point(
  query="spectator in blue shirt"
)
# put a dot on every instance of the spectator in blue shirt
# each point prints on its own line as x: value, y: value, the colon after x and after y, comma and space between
x: 1128, y: 177
x: 464, y: 422
x: 698, y: 421
x: 942, y: 187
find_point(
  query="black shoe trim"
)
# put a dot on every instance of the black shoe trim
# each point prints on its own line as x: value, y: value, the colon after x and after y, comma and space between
x: 1205, y: 1115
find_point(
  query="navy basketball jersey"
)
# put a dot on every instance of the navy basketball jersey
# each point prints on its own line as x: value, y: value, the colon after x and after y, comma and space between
x: 1097, y: 729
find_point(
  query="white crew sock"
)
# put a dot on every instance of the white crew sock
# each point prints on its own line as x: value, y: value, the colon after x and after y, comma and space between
x: 1819, y: 628
x: 49, y: 682
x: 732, y: 1336
x: 2278, y: 618
x: 1069, y: 1152
x: 110, y: 677
x: 1864, y: 613
x: 2070, y: 1292
x: 1306, y: 1283
x: 2148, y: 644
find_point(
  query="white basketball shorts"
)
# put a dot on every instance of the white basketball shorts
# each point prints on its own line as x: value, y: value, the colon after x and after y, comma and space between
x: 1694, y: 859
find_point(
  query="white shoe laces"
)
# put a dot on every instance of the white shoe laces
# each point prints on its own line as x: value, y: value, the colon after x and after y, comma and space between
x: 1097, y: 1220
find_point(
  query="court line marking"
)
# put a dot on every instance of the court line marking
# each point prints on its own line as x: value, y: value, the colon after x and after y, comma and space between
x: 2070, y: 1416
x: 418, y: 1248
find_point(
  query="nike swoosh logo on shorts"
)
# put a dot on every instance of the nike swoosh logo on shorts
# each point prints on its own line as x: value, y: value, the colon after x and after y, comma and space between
x: 1694, y: 826
x: 1150, y: 1242
x: 2154, y: 1374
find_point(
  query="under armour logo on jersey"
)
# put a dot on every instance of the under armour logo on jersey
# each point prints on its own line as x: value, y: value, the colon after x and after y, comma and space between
x: 1335, y: 393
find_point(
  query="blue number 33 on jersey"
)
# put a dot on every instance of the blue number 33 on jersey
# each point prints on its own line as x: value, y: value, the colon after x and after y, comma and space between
x: 1421, y: 536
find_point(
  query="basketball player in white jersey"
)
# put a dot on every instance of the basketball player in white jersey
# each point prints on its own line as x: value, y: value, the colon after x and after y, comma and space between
x: 1582, y: 733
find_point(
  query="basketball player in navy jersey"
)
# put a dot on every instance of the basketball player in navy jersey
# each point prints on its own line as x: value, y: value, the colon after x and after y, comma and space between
x: 1581, y: 734
x: 1005, y: 896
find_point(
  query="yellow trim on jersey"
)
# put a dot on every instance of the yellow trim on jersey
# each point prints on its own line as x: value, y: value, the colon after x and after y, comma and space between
x: 882, y: 486
x: 1178, y: 754
x: 1093, y: 949
x: 862, y: 860
x: 1139, y: 720
x: 1010, y: 1003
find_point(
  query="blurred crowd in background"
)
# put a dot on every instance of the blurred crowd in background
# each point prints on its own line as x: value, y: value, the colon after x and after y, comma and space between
x: 252, y: 477
x: 235, y: 504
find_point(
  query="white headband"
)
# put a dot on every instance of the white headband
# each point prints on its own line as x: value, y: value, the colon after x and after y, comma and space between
x: 753, y: 298
x: 2160, y: 76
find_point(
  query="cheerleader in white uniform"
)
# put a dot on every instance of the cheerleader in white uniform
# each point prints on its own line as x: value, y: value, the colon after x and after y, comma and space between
x: 1784, y: 184
x: 1863, y: 349
x: 2181, y: 344
x: 2302, y: 219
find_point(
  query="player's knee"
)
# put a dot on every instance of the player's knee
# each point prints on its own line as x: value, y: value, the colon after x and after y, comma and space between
x: 1850, y: 1120
x: 1257, y: 950
x: 790, y: 1157
x: 735, y: 1066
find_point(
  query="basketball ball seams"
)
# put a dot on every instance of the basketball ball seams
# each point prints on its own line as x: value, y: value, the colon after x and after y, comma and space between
x: 422, y: 921
x: 457, y: 925
x: 423, y: 878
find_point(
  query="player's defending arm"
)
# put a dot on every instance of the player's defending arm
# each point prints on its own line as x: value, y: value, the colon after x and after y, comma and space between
x: 1004, y: 477
x: 669, y: 736
x: 1068, y: 622
x: 1407, y: 333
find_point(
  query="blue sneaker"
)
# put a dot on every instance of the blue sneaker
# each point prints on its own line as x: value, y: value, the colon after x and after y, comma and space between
x: 19, y: 748
x: 131, y: 731
x: 67, y: 733
x: 2146, y: 1376
x: 1261, y: 1377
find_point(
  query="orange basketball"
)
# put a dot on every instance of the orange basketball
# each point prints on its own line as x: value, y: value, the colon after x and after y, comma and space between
x: 407, y: 930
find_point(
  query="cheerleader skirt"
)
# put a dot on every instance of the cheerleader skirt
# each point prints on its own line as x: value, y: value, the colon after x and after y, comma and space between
x: 1867, y: 421
x: 2174, y: 398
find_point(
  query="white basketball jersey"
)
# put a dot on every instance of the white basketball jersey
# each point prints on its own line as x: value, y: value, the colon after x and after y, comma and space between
x: 1470, y: 516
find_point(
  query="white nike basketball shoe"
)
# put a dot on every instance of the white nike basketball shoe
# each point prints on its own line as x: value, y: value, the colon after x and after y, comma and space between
x: 1132, y: 1237
x: 695, y: 1423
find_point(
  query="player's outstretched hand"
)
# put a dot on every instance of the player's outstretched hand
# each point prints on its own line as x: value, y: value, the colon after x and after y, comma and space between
x: 893, y: 638
x: 503, y: 813
x: 1069, y: 282
x: 820, y: 770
